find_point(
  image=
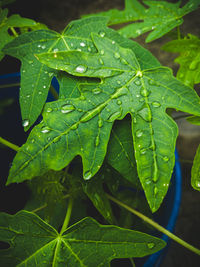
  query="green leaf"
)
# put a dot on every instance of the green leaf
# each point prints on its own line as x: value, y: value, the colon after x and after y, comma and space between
x: 195, y: 173
x: 189, y: 58
x: 194, y: 120
x: 160, y: 18
x: 82, y: 126
x: 36, y: 77
x: 120, y: 152
x: 86, y: 243
x: 9, y: 23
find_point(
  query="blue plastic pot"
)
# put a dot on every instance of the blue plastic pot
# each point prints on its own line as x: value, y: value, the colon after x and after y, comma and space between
x: 166, y: 216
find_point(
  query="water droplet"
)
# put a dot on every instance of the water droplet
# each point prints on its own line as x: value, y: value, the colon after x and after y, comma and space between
x: 55, y: 50
x: 138, y: 31
x: 82, y: 44
x: 145, y: 113
x: 49, y: 110
x: 87, y: 175
x: 156, y: 104
x: 32, y: 140
x: 39, y: 92
x: 155, y: 190
x: 43, y: 46
x: 116, y: 55
x: 139, y: 133
x: 143, y: 151
x: 97, y: 141
x: 44, y: 86
x: 100, y: 122
x: 151, y: 245
x: 81, y: 68
x: 101, y: 61
x: 144, y: 92
x: 96, y: 91
x: 102, y: 34
x: 50, y: 74
x: 119, y: 102
x: 102, y: 52
x: 45, y: 129
x: 30, y: 62
x: 152, y: 82
x: 75, y: 126
x: 118, y: 82
x: 23, y: 71
x: 114, y: 116
x: 39, y: 45
x: 165, y: 158
x: 139, y: 73
x: 197, y: 184
x: 25, y: 123
x: 89, y: 49
x: 137, y: 82
x: 134, y: 120
x: 67, y: 108
x: 113, y: 42
x: 28, y: 96
x: 55, y: 55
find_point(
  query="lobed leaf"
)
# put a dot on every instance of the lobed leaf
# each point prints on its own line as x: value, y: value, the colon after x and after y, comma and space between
x: 195, y: 173
x: 160, y: 17
x: 189, y: 58
x: 86, y: 243
x: 8, y: 23
x: 82, y: 126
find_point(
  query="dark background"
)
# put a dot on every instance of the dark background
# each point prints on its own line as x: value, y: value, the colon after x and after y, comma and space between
x: 56, y: 15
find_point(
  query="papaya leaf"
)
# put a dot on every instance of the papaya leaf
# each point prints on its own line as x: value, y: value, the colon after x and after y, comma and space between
x: 125, y: 88
x: 120, y: 152
x: 10, y: 23
x: 35, y: 76
x: 160, y: 18
x: 86, y: 243
x: 194, y: 120
x: 195, y: 173
x: 189, y: 58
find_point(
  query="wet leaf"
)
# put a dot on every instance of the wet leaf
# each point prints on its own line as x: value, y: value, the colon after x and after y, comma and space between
x: 195, y: 174
x: 82, y: 126
x: 86, y: 243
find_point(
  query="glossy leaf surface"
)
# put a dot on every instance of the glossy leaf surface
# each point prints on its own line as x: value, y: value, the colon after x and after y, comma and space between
x: 160, y: 17
x: 189, y: 58
x: 86, y: 243
x: 82, y: 126
x: 195, y: 174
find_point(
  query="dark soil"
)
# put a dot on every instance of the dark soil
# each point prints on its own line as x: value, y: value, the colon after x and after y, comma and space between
x: 57, y: 14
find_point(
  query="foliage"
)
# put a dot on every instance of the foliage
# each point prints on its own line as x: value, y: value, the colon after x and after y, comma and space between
x: 109, y: 132
x: 160, y: 17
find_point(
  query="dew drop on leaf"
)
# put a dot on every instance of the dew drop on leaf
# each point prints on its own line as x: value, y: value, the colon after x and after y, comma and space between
x: 143, y: 151
x: 32, y: 140
x: 151, y: 245
x: 45, y: 129
x: 67, y: 108
x: 81, y: 68
x: 100, y: 123
x: 152, y: 82
x: 139, y: 133
x: 101, y: 61
x: 144, y: 92
x: 119, y: 102
x: 197, y: 184
x: 97, y: 141
x: 117, y: 55
x: 114, y: 116
x: 137, y: 82
x: 155, y: 191
x: 102, y: 34
x: 113, y: 42
x: 139, y: 73
x: 96, y: 91
x: 87, y: 175
x: 89, y: 49
x: 156, y: 104
x: 165, y: 158
x: 25, y: 123
x: 49, y: 110
x: 102, y: 52
x: 82, y: 44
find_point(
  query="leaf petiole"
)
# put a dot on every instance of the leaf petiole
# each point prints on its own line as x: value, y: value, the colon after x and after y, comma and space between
x: 67, y: 217
x: 9, y: 144
x: 14, y: 31
x: 155, y: 225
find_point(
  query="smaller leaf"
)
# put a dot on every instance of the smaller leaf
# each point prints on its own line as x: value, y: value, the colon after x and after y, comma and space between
x: 194, y: 120
x: 86, y: 243
x: 195, y: 173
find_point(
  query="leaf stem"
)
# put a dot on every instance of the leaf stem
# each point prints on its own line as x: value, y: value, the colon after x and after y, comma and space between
x: 67, y: 217
x: 9, y: 144
x: 155, y: 225
x: 9, y: 85
x: 14, y: 31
